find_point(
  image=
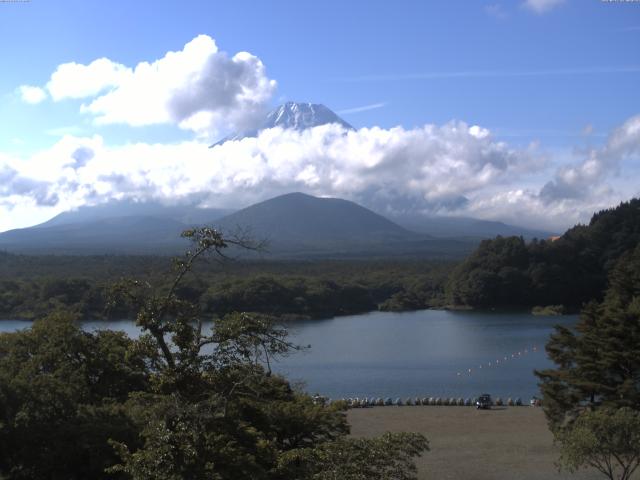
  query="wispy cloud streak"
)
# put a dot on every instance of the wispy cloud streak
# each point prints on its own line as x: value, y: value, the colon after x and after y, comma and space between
x: 364, y: 108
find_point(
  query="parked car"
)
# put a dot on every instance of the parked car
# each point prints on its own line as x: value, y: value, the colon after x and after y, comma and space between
x: 484, y: 401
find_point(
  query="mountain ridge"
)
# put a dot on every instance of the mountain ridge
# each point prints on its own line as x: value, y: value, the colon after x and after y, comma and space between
x: 296, y: 224
x: 298, y: 218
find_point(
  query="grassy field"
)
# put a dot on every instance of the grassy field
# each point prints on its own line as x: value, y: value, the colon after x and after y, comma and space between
x: 502, y: 443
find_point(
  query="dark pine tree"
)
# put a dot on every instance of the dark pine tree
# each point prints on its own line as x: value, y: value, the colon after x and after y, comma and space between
x: 599, y: 364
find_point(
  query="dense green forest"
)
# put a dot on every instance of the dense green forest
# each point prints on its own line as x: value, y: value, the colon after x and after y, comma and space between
x: 33, y: 286
x: 500, y: 273
x: 569, y: 271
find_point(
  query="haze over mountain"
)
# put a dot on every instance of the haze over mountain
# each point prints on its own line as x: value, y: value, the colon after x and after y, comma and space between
x: 293, y: 224
x: 186, y: 214
x: 465, y: 227
x: 295, y: 116
x: 120, y: 227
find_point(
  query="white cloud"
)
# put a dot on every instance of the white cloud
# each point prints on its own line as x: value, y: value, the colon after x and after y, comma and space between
x: 583, y: 180
x: 448, y: 169
x: 74, y: 80
x: 363, y: 108
x: 198, y: 88
x: 542, y: 6
x: 32, y: 95
x: 433, y: 167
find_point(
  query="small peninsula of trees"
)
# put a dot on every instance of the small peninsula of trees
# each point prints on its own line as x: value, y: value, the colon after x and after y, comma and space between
x: 570, y: 271
x: 189, y: 399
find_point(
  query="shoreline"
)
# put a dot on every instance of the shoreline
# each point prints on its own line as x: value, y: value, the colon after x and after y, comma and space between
x: 293, y: 318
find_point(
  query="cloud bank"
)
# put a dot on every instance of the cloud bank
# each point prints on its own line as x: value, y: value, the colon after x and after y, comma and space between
x: 198, y: 88
x: 449, y: 169
x: 579, y: 181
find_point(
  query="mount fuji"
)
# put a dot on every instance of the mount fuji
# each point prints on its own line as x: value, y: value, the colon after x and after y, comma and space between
x: 295, y: 116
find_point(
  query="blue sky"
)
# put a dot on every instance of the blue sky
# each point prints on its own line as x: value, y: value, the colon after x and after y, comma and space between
x: 558, y: 75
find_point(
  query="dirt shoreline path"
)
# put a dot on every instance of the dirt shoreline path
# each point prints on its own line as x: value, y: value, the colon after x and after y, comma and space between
x: 505, y: 443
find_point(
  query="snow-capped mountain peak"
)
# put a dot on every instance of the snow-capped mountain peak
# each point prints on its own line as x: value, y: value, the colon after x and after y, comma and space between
x: 293, y: 115
x: 300, y: 116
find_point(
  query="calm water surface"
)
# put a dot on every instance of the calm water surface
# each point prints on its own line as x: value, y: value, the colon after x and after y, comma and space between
x: 424, y: 353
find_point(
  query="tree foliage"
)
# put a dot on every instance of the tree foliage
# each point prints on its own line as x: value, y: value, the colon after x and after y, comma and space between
x: 592, y: 398
x: 599, y: 363
x: 61, y: 399
x: 389, y: 456
x: 607, y: 440
x: 571, y: 270
x: 32, y: 287
x: 189, y: 399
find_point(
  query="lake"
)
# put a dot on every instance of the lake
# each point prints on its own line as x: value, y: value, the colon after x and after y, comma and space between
x: 423, y: 353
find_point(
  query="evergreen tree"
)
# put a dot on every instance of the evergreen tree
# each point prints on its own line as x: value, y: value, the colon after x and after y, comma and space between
x: 599, y: 364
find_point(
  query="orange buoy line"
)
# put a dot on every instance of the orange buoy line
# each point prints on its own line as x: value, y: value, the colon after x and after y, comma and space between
x: 501, y: 361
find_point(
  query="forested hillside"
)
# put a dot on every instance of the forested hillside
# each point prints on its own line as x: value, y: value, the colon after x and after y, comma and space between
x: 33, y: 286
x: 569, y: 271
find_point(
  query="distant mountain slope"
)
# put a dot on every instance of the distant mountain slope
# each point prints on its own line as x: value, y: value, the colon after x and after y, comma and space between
x: 114, y: 227
x: 295, y: 225
x: 444, y: 227
x: 131, y: 234
x: 297, y: 219
x: 187, y: 214
x: 303, y: 226
x: 292, y: 115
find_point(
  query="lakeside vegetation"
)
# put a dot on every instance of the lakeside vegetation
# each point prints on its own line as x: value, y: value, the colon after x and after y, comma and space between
x: 31, y: 287
x: 569, y: 271
x: 550, y: 277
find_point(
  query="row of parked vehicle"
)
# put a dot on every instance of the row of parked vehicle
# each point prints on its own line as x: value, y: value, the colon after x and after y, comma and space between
x: 484, y: 401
